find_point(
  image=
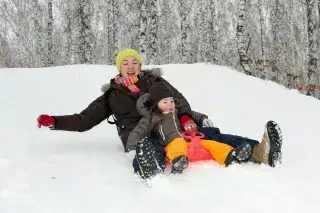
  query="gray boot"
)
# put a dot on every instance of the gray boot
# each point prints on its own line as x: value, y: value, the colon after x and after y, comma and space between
x: 239, y: 155
x: 268, y: 151
x: 145, y: 153
x: 179, y: 164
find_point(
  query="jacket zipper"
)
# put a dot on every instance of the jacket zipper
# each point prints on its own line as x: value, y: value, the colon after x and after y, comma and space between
x: 161, y: 132
x: 175, y: 124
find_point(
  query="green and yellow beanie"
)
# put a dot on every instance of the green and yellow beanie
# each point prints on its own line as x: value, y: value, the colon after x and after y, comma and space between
x: 127, y: 52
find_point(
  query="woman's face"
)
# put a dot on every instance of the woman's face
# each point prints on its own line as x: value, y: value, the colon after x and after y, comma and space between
x: 167, y: 105
x: 130, y: 67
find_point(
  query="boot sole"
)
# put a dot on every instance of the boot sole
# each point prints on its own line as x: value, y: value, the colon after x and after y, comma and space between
x: 275, y: 139
x: 240, y: 155
x: 245, y: 153
x: 179, y: 165
x: 148, y: 164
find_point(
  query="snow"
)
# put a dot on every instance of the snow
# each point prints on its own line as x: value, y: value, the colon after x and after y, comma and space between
x: 71, y: 172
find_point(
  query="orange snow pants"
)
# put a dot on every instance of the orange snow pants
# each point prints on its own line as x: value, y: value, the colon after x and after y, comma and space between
x: 177, y: 147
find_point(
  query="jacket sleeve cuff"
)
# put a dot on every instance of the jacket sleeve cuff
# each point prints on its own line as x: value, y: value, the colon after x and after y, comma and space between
x: 54, y: 123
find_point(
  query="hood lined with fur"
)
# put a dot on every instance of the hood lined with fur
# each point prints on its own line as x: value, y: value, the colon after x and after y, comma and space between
x: 141, y: 107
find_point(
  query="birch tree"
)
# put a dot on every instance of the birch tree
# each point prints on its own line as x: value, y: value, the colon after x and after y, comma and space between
x: 313, y: 27
x: 84, y: 36
x: 113, y: 29
x: 242, y: 37
x: 213, y: 31
x: 202, y: 46
x: 169, y: 36
x: 184, y: 31
x: 262, y: 61
x: 154, y: 23
x: 67, y: 31
x: 50, y: 60
x: 143, y: 30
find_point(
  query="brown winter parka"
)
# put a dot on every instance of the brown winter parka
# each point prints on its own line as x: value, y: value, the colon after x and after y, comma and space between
x: 120, y: 102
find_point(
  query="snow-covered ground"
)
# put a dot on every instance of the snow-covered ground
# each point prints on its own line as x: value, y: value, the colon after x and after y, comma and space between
x: 44, y: 171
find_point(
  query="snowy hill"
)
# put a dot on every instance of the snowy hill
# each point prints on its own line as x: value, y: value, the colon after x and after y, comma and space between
x: 69, y: 172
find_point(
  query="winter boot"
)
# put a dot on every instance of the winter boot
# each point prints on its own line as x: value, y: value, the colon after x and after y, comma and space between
x: 268, y: 151
x: 179, y: 164
x: 147, y: 161
x: 239, y: 155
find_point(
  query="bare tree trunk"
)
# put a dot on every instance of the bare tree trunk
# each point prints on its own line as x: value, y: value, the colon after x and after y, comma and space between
x: 241, y: 38
x: 86, y: 40
x: 116, y: 15
x: 84, y: 28
x: 262, y: 36
x: 199, y: 30
x: 277, y: 59
x: 110, y: 38
x: 113, y: 29
x: 213, y: 41
x: 143, y: 31
x: 184, y: 33
x: 68, y: 32
x: 39, y: 49
x: 319, y: 15
x: 153, y: 42
x: 50, y: 61
x: 313, y: 21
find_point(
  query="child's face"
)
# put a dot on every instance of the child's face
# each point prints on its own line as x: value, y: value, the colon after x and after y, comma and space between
x: 167, y: 105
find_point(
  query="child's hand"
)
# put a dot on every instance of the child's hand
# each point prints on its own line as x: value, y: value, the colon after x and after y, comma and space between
x: 188, y: 125
x: 191, y: 128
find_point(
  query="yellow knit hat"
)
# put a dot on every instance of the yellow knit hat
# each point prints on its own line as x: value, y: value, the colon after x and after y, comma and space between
x: 127, y: 52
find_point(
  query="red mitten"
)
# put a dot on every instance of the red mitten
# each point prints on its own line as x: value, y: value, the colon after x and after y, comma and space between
x: 189, y: 126
x: 46, y: 121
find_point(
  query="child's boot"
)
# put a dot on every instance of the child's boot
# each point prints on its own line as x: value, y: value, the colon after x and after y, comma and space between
x: 179, y: 164
x: 176, y: 154
x: 239, y: 155
x: 147, y: 161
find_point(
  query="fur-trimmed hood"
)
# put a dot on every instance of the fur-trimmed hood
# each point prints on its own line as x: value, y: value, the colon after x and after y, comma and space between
x: 157, y: 72
x: 141, y: 107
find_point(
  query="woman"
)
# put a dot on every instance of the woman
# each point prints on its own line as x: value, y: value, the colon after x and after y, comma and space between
x: 119, y: 100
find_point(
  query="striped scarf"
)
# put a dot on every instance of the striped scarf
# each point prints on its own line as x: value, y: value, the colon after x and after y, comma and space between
x: 129, y: 82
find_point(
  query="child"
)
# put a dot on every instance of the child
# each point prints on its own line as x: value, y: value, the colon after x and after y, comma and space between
x: 160, y: 115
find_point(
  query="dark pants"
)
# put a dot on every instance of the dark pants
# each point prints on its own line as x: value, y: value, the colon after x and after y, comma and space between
x: 211, y: 133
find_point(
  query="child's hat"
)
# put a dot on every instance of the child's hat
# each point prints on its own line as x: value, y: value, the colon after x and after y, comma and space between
x: 159, y: 91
